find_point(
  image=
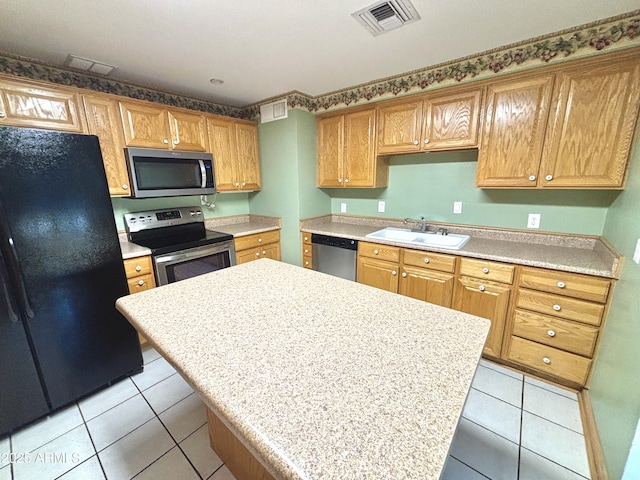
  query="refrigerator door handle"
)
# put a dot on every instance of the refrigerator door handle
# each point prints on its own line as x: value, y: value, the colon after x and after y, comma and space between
x: 22, y: 289
x: 13, y: 316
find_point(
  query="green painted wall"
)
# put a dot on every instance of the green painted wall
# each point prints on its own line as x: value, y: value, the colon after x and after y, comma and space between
x: 428, y: 184
x: 615, y: 386
x: 287, y: 156
x: 225, y: 204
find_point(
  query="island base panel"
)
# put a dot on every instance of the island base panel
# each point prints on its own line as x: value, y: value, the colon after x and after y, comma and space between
x: 233, y: 453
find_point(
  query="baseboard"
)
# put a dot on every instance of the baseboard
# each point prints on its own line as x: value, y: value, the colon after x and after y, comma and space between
x: 592, y: 438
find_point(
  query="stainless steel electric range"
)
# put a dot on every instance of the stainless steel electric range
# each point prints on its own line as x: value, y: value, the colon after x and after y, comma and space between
x: 180, y: 245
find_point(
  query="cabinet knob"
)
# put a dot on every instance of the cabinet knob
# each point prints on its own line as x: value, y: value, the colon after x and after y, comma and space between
x: 404, y: 274
x: 426, y: 140
x: 2, y: 115
x: 306, y: 239
x: 306, y: 262
x: 165, y: 141
x: 485, y: 270
x: 306, y: 250
x: 481, y: 288
x: 125, y: 186
x: 548, y: 177
x: 176, y: 142
x: 259, y: 240
x: 138, y: 268
x: 556, y: 307
x: 560, y: 284
x: 257, y: 254
x: 140, y: 282
x: 346, y: 180
x: 426, y: 260
x: 546, y: 360
x: 237, y: 184
x: 394, y: 273
x: 375, y: 252
x: 551, y: 333
x: 532, y: 178
x: 339, y: 180
x: 415, y: 142
x: 264, y: 252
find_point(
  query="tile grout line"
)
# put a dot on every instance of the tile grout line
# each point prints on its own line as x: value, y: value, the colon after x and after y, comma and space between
x: 469, y: 466
x: 92, y: 443
x: 556, y: 463
x: 521, y: 425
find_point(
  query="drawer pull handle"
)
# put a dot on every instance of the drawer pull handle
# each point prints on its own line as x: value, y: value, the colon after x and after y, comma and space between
x: 546, y: 360
x: 375, y: 252
x: 426, y: 260
x: 556, y: 307
x: 404, y: 274
x: 394, y: 273
x: 485, y: 270
x: 306, y: 263
x: 264, y: 252
x: 138, y: 268
x: 561, y: 284
x: 259, y: 240
x: 551, y: 333
x: 140, y: 282
x: 532, y: 177
x: 481, y: 288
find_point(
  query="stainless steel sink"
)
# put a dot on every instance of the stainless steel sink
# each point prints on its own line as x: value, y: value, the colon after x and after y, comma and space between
x: 427, y: 239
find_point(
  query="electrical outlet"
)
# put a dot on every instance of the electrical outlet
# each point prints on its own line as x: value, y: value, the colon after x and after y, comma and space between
x: 381, y: 206
x: 457, y: 207
x: 636, y: 253
x: 343, y: 207
x: 534, y: 220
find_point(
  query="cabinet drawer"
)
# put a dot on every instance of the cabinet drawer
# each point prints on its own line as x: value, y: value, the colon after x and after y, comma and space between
x: 141, y: 283
x: 552, y: 361
x: 554, y: 332
x: 307, y: 262
x: 559, y: 306
x: 306, y: 238
x: 377, y: 250
x: 433, y: 261
x: 498, y: 272
x: 561, y: 283
x: 256, y: 240
x: 134, y: 267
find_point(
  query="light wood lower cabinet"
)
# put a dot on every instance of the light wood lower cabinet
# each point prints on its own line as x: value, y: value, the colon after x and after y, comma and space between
x: 427, y: 276
x: 258, y: 245
x: 378, y: 266
x: 139, y: 271
x: 307, y: 251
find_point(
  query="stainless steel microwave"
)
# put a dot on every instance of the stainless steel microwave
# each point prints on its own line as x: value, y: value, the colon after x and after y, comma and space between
x: 169, y: 173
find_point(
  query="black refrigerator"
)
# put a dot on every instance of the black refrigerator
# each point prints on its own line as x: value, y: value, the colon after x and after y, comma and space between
x: 61, y: 272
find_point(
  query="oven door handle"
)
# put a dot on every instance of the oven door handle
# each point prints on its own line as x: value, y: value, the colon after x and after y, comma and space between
x: 203, y: 174
x: 199, y: 253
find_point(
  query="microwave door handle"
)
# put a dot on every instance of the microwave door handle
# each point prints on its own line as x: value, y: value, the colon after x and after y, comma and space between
x: 203, y: 174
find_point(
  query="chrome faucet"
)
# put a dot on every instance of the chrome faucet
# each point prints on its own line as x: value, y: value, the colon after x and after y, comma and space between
x: 421, y: 226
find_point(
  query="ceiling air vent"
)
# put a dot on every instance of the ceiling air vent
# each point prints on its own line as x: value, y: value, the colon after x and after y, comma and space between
x: 273, y: 111
x: 387, y: 15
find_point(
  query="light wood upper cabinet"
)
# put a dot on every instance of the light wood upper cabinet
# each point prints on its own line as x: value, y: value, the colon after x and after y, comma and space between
x: 234, y: 145
x: 103, y: 120
x: 430, y: 123
x: 25, y: 105
x: 515, y: 120
x: 149, y: 126
x: 346, y: 151
x: 595, y: 109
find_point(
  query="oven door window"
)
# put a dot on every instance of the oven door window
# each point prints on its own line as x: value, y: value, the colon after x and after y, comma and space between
x: 154, y: 174
x: 197, y: 266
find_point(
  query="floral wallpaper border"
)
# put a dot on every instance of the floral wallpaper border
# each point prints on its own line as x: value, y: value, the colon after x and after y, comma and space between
x: 606, y: 35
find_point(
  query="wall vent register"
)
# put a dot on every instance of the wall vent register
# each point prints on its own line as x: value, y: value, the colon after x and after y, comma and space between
x: 387, y: 15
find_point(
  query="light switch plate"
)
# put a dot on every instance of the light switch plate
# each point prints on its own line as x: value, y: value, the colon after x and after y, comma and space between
x: 534, y: 220
x: 343, y: 207
x: 381, y: 206
x: 636, y: 253
x: 457, y: 207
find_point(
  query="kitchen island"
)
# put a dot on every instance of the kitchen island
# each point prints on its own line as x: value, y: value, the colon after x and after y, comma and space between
x: 315, y: 376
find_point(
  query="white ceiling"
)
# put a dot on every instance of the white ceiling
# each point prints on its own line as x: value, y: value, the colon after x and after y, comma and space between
x: 263, y: 48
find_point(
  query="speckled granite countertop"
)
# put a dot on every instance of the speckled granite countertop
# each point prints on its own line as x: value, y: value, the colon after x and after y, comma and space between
x: 237, y: 225
x: 318, y: 376
x: 571, y: 253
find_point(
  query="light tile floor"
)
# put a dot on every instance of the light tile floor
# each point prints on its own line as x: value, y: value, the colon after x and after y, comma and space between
x: 153, y: 426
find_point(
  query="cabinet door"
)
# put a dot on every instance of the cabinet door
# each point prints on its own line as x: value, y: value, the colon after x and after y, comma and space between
x: 145, y: 125
x: 426, y: 285
x: 222, y: 144
x: 188, y: 131
x: 451, y: 121
x: 400, y: 127
x: 513, y: 135
x: 595, y: 109
x: 378, y: 273
x: 359, y: 149
x: 32, y: 106
x: 247, y: 156
x: 103, y: 120
x: 271, y: 251
x: 330, y: 151
x: 487, y: 300
x: 245, y: 256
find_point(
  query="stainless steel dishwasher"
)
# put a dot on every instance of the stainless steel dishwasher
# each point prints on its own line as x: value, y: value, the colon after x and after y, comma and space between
x: 334, y: 255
